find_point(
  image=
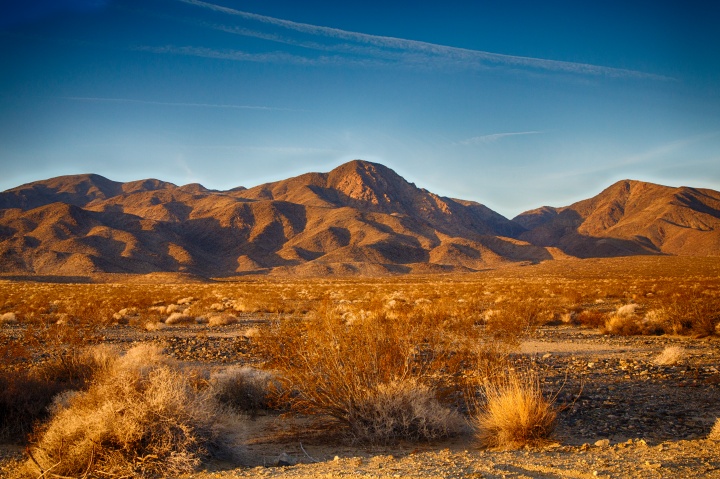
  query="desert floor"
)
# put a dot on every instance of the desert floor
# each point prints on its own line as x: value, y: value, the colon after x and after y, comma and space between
x: 620, y: 415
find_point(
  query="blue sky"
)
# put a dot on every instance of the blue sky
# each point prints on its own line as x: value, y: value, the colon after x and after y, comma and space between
x: 513, y: 104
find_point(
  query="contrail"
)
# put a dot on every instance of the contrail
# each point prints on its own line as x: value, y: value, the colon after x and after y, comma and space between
x: 431, y: 49
x: 495, y: 137
x: 163, y: 103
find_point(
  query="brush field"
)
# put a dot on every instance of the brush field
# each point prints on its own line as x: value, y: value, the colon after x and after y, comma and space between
x: 618, y: 361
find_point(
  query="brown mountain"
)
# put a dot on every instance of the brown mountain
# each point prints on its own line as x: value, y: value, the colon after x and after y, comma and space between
x: 630, y: 218
x: 359, y: 218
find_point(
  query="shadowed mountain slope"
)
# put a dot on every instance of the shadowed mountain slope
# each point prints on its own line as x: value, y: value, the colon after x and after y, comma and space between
x: 359, y: 218
x: 629, y: 218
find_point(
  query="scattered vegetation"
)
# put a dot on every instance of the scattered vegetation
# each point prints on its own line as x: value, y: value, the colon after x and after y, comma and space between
x: 387, y: 359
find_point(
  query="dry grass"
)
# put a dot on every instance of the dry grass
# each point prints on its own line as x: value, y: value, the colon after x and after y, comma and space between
x: 140, y: 417
x: 514, y: 413
x: 670, y: 355
x: 715, y: 431
x: 244, y: 389
x: 29, y: 382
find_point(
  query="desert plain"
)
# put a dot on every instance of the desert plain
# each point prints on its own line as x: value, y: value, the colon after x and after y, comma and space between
x: 624, y: 349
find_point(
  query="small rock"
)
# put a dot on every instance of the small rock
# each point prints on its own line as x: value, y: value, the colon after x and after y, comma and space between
x: 284, y: 460
x: 602, y: 443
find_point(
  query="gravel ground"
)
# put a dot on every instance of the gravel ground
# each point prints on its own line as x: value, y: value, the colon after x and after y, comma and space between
x: 621, y: 415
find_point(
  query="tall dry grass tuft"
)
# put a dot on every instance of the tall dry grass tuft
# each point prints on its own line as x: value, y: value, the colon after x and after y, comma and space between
x: 515, y: 412
x: 140, y: 417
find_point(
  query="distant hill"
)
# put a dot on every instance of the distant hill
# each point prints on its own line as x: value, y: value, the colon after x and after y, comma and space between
x: 630, y: 218
x: 360, y: 218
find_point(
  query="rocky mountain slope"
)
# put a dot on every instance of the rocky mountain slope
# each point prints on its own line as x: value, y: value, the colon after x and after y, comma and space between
x: 359, y: 218
x: 629, y: 218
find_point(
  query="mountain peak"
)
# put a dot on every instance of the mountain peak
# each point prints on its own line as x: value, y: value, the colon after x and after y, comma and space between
x: 370, y: 183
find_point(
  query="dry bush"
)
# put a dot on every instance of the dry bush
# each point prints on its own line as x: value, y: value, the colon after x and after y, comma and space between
x: 378, y: 378
x: 669, y: 356
x: 179, y: 318
x: 8, y: 318
x: 621, y: 325
x: 715, y: 431
x: 623, y: 322
x: 222, y: 320
x: 515, y: 412
x: 141, y: 417
x: 27, y: 387
x: 244, y: 389
x: 694, y: 314
x: 402, y: 409
x: 511, y: 321
x: 590, y: 318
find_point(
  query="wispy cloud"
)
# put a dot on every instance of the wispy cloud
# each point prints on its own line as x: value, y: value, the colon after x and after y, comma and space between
x: 651, y: 159
x: 176, y: 104
x: 410, y: 49
x: 269, y: 57
x: 492, y: 138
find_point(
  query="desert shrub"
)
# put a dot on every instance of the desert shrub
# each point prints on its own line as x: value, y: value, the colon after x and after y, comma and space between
x: 514, y: 412
x: 621, y: 325
x: 7, y: 318
x: 512, y: 321
x: 244, y: 389
x: 27, y: 389
x: 715, y: 431
x: 590, y: 318
x: 402, y: 409
x: 669, y: 356
x: 376, y: 377
x: 179, y: 318
x: 141, y: 417
x: 154, y: 326
x: 623, y: 322
x: 222, y: 320
x: 693, y: 314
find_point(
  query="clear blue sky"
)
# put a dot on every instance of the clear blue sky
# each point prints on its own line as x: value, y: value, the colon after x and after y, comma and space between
x: 512, y: 104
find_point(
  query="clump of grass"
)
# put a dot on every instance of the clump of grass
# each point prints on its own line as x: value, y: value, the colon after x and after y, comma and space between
x: 669, y: 356
x: 515, y: 412
x: 141, y: 417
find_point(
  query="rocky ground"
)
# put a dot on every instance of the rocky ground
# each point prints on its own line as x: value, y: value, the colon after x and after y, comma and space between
x: 621, y: 415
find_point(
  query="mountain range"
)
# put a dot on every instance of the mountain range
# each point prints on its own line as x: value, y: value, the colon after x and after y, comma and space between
x: 360, y: 218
